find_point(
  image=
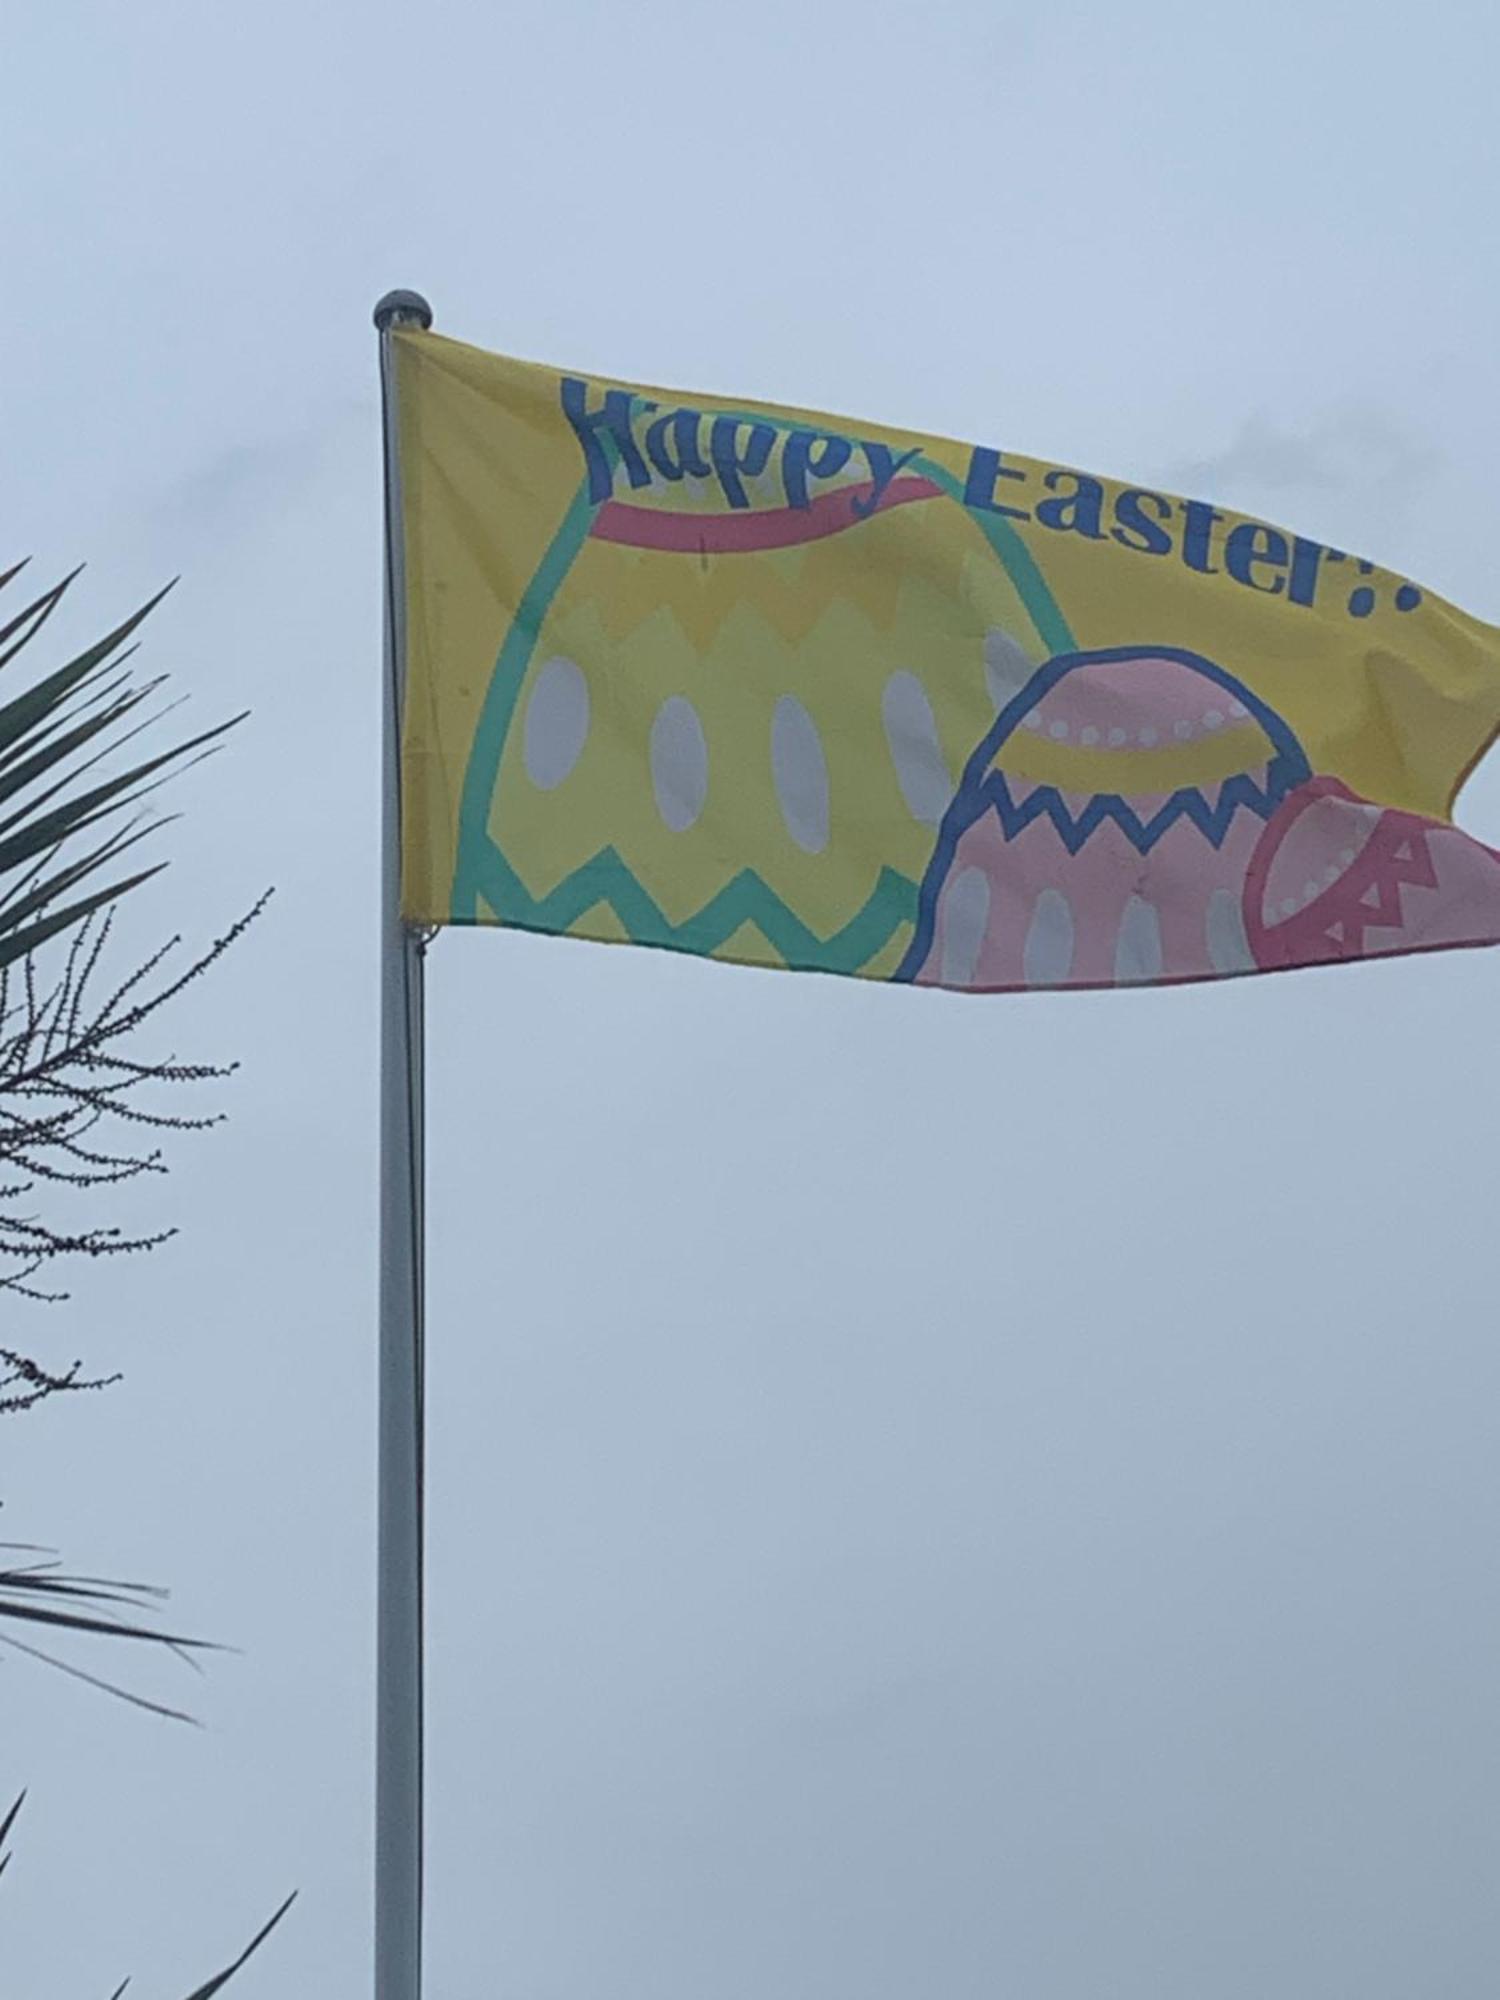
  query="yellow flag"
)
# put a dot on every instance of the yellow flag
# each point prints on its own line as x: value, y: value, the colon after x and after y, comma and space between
x: 796, y: 690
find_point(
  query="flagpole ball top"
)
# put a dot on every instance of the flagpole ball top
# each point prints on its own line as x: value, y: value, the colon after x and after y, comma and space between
x: 403, y: 309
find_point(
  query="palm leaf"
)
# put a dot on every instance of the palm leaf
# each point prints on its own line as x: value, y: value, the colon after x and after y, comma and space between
x: 37, y: 1594
x: 18, y: 769
x: 52, y: 734
x: 40, y: 611
x: 25, y: 709
x: 65, y: 823
x: 5, y: 1826
x: 21, y: 942
x: 206, y: 1992
x: 29, y: 896
x: 210, y: 1986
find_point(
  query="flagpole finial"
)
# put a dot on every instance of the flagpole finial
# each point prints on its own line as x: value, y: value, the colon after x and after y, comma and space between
x: 403, y: 309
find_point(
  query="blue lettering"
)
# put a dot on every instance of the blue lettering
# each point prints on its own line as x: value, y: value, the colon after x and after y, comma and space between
x: 809, y: 452
x: 613, y: 419
x: 1134, y: 530
x: 1076, y: 512
x: 986, y: 469
x: 1197, y: 534
x: 884, y: 465
x: 678, y: 429
x: 730, y: 459
x: 1252, y: 543
x: 1307, y: 561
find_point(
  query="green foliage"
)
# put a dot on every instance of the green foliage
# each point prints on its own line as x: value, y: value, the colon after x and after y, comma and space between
x: 78, y: 1103
x: 63, y: 830
x: 73, y: 806
x: 210, y: 1986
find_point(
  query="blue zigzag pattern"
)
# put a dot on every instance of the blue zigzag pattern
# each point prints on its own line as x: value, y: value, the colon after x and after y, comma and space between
x: 1212, y: 817
x: 984, y: 787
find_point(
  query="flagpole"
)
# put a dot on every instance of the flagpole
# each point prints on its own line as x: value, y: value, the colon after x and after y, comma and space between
x: 398, y: 1641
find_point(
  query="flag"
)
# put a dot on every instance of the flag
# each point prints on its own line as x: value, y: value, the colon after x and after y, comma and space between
x: 795, y: 690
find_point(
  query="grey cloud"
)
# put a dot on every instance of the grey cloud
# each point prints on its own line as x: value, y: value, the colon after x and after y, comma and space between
x: 973, y: 1499
x: 230, y: 486
x: 1356, y: 449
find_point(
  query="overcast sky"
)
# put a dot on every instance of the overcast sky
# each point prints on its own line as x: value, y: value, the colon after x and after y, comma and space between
x: 929, y: 1496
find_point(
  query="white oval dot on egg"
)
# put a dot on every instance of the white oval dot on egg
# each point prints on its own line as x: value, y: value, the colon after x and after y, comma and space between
x: 964, y: 912
x: 912, y: 737
x: 1117, y: 737
x: 1138, y: 950
x: 1214, y: 719
x: 679, y: 763
x: 1058, y: 731
x: 800, y: 773
x: 1147, y: 739
x: 1089, y: 736
x: 1228, y: 947
x: 557, y: 723
x: 1007, y: 667
x: 1047, y: 955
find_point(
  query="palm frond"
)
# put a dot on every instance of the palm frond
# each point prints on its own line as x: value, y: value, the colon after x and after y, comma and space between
x: 77, y: 800
x: 52, y: 1606
x: 35, y: 614
x: 51, y: 734
x: 211, y: 1986
x: 5, y: 1826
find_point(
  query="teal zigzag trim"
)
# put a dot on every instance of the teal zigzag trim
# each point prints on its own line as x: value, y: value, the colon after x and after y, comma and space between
x: 499, y: 707
x: 746, y: 899
x: 482, y: 872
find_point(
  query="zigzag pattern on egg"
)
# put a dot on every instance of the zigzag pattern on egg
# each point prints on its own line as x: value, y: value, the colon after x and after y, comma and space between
x: 732, y: 644
x: 876, y: 932
x: 793, y: 589
x: 733, y: 649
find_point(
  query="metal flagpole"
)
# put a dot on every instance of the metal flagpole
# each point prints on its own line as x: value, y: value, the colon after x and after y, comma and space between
x: 398, y: 1643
